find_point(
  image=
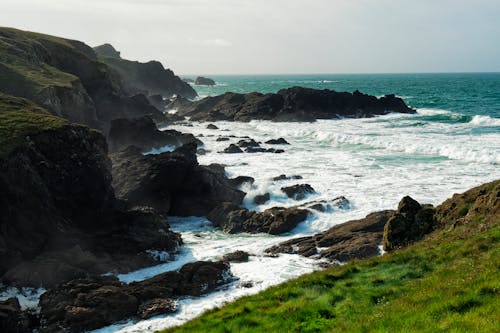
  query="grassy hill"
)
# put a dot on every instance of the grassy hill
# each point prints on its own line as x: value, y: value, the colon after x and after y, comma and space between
x: 449, y: 281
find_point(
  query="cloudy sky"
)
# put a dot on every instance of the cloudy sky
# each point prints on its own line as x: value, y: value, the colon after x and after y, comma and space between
x: 278, y: 36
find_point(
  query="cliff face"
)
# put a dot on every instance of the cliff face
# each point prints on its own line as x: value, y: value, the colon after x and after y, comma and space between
x: 150, y: 77
x: 65, y: 77
x: 60, y: 217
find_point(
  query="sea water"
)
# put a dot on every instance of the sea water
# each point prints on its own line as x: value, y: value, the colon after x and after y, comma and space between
x: 450, y: 145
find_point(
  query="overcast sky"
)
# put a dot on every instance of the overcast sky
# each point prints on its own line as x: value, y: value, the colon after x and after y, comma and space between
x: 278, y: 36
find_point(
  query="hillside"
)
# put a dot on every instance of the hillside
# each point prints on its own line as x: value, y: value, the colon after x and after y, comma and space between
x: 449, y: 281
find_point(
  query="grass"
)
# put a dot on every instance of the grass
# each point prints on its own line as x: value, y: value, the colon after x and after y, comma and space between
x: 448, y: 282
x: 20, y: 118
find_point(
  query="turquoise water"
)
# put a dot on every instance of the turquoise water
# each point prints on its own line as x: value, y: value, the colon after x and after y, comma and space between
x: 468, y: 94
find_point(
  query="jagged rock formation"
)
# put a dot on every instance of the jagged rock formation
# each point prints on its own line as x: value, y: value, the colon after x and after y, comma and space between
x: 149, y: 78
x: 172, y: 182
x: 65, y: 77
x: 292, y: 104
x: 143, y: 133
x: 60, y: 219
x: 85, y: 304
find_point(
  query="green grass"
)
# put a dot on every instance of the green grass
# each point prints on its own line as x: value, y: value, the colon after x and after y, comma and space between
x: 448, y: 282
x: 20, y: 118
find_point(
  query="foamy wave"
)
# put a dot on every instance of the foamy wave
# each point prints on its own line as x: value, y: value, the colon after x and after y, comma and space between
x: 432, y: 112
x: 484, y: 121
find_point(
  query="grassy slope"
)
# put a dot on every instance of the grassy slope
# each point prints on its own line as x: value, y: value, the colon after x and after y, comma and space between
x: 21, y: 70
x: 450, y: 281
x: 20, y: 118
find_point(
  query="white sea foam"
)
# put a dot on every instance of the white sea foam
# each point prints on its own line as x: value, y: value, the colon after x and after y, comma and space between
x: 28, y: 297
x: 372, y: 162
x: 485, y: 121
x: 160, y: 150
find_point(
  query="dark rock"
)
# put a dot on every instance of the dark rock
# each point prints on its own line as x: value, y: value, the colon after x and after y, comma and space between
x: 149, y: 77
x: 326, y: 205
x: 261, y: 198
x: 212, y: 126
x: 255, y: 150
x: 204, y: 81
x: 246, y: 284
x: 277, y: 220
x: 156, y: 307
x: 276, y: 151
x: 240, y: 180
x: 13, y: 319
x: 298, y: 192
x: 410, y: 223
x: 279, y: 141
x: 178, y: 102
x: 233, y: 149
x: 172, y: 182
x: 354, y: 239
x: 157, y: 101
x: 107, y: 50
x: 85, y: 304
x: 292, y: 104
x: 237, y: 256
x: 285, y: 177
x: 248, y: 143
x: 222, y: 139
x: 143, y: 133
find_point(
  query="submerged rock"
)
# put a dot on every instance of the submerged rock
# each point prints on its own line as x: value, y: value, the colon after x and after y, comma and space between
x: 237, y: 256
x: 261, y: 198
x: 233, y: 149
x: 285, y: 177
x: 212, y: 126
x: 279, y: 141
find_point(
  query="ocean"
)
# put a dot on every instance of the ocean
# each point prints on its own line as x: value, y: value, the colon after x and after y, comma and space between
x: 449, y: 146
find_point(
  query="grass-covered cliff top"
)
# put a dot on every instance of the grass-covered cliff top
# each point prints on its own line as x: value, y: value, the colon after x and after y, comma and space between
x: 20, y: 118
x: 448, y: 282
x: 23, y: 62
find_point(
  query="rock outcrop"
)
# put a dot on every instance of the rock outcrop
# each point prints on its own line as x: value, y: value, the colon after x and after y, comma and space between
x: 150, y: 77
x: 292, y: 104
x: 172, y: 182
x: 354, y: 239
x: 409, y: 223
x: 85, y: 304
x: 298, y: 191
x: 204, y: 81
x: 277, y: 220
x: 60, y: 219
x: 143, y: 133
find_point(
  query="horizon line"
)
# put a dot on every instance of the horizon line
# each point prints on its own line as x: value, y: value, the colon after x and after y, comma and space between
x: 338, y: 73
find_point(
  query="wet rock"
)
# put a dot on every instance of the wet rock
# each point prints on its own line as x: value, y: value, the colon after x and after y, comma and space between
x: 233, y: 149
x: 326, y: 205
x: 277, y: 220
x: 248, y: 143
x: 298, y: 192
x: 212, y: 126
x: 255, y: 150
x: 240, y: 180
x: 172, y: 182
x: 292, y: 104
x: 157, y: 101
x: 285, y: 177
x: 156, y: 307
x: 354, y: 239
x: 13, y: 319
x: 261, y: 198
x: 237, y: 256
x: 222, y: 139
x: 86, y: 304
x: 279, y: 141
x: 246, y: 284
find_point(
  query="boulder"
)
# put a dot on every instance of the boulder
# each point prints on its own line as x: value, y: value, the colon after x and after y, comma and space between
x: 156, y: 306
x: 410, y: 223
x: 240, y: 180
x: 212, y: 126
x: 298, y: 192
x: 237, y: 256
x: 279, y: 141
x: 248, y: 143
x: 222, y: 139
x: 204, y: 81
x: 285, y: 177
x: 233, y: 149
x: 261, y: 198
x: 357, y: 239
x: 14, y: 320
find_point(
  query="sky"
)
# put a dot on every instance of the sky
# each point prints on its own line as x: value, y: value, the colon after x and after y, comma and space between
x: 278, y: 36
